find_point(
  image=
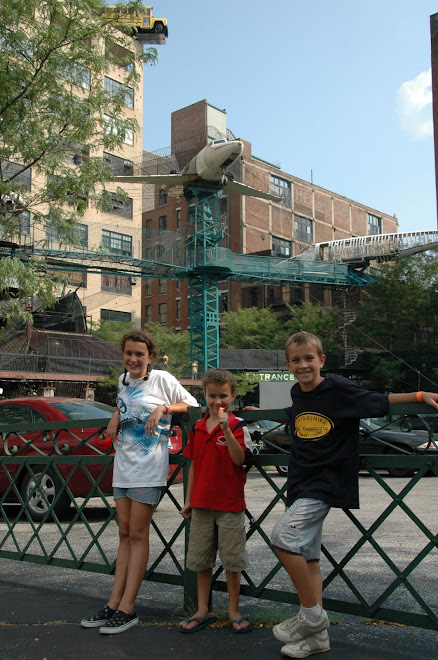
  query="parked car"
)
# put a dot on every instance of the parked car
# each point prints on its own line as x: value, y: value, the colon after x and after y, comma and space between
x: 80, y: 441
x: 376, y: 436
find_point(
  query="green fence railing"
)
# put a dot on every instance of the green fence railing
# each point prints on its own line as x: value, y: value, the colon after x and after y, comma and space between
x: 56, y: 509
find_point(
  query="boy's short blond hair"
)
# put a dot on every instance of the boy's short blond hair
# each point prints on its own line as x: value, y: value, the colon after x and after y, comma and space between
x: 305, y: 338
x: 219, y: 377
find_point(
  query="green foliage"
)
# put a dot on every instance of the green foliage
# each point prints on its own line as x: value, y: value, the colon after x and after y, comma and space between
x: 244, y: 384
x: 320, y: 321
x: 401, y: 309
x: 176, y: 345
x: 252, y: 328
x: 261, y: 328
x: 53, y: 106
x: 387, y: 372
x: 112, y: 331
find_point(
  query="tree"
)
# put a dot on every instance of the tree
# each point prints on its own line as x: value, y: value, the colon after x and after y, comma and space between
x: 55, y: 116
x: 400, y: 311
x: 320, y: 321
x: 176, y: 345
x: 252, y: 328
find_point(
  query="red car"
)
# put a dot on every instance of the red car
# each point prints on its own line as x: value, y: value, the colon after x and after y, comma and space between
x: 78, y: 441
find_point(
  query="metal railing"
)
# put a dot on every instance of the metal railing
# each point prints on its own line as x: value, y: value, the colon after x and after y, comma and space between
x: 84, y: 537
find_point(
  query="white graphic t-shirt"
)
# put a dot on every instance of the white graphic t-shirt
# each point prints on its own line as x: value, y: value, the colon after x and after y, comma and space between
x: 143, y: 460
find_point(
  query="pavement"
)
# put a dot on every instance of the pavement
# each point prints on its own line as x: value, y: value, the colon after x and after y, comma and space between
x: 41, y: 606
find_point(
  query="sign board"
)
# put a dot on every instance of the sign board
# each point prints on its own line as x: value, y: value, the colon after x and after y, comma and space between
x: 271, y: 377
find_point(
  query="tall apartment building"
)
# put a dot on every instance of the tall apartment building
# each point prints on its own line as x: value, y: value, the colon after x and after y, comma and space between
x: 307, y: 214
x: 117, y: 229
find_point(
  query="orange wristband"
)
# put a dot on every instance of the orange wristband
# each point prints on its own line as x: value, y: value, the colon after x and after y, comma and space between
x: 419, y: 396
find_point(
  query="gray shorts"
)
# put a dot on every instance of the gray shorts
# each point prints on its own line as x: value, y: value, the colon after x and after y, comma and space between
x: 211, y: 531
x: 144, y: 494
x: 299, y: 529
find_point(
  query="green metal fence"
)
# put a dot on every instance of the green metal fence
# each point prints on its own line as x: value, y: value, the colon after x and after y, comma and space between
x: 398, y: 587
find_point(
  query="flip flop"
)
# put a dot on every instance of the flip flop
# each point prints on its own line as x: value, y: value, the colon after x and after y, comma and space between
x: 241, y: 631
x: 203, y: 622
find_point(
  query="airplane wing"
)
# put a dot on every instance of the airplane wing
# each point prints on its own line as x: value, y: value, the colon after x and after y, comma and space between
x: 242, y: 189
x: 164, y: 179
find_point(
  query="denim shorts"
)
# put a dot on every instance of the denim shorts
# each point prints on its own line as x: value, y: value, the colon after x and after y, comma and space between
x: 144, y: 494
x: 299, y: 530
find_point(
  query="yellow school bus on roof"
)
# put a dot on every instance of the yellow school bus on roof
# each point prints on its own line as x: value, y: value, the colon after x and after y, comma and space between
x: 144, y: 22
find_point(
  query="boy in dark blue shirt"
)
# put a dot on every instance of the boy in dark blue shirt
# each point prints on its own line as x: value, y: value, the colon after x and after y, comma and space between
x: 323, y: 472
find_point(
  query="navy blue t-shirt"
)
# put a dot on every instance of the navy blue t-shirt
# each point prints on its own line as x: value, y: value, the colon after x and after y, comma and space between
x: 324, y: 457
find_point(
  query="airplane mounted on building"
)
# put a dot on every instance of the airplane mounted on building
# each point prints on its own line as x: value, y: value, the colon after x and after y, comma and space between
x: 207, y: 167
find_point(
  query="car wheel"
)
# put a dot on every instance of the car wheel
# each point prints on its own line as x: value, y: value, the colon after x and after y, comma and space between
x: 49, y: 486
x: 158, y: 28
x: 400, y: 472
x: 282, y: 469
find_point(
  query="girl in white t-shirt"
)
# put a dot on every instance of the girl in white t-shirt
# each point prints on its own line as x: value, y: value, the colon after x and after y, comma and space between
x: 146, y: 400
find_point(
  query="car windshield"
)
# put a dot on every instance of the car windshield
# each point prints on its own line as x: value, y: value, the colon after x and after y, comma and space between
x: 375, y: 423
x: 268, y: 423
x: 76, y: 410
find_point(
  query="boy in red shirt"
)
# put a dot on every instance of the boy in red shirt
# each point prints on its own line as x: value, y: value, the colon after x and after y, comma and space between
x: 219, y: 444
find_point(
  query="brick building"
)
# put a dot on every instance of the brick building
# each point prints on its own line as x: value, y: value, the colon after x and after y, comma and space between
x: 307, y: 214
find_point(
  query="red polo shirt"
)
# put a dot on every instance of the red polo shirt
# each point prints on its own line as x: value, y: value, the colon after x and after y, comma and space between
x: 217, y: 482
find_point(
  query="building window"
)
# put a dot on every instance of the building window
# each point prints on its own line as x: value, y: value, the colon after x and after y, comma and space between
x: 303, y: 228
x: 162, y: 314
x: 76, y: 278
x: 148, y: 288
x: 24, y: 223
x: 148, y: 254
x: 374, y: 224
x: 253, y: 297
x: 83, y: 235
x: 162, y: 197
x: 178, y: 309
x: 178, y: 218
x: 178, y: 285
x: 119, y: 91
x: 116, y: 206
x: 177, y: 250
x: 116, y: 243
x: 112, y: 315
x: 148, y: 314
x: 118, y: 166
x: 223, y: 303
x: 282, y: 188
x: 162, y: 287
x: 281, y: 247
x: 76, y: 73
x: 112, y: 125
x: 161, y: 252
x: 116, y: 284
x: 162, y: 224
x: 17, y: 172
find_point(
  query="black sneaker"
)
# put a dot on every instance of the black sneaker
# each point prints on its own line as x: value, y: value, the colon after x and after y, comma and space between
x: 98, y: 619
x: 119, y: 622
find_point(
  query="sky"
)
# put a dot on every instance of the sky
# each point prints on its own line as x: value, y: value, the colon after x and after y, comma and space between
x: 336, y: 91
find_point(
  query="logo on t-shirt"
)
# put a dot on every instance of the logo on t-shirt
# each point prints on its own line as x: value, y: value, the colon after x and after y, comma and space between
x: 221, y: 441
x: 311, y: 426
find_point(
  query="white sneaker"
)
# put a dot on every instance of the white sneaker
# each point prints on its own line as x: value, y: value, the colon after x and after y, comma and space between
x: 298, y: 628
x: 315, y: 644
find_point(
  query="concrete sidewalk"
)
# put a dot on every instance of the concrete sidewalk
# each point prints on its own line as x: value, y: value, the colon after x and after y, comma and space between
x: 40, y: 610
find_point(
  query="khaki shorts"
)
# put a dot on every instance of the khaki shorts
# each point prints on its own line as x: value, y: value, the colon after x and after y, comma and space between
x: 211, y: 531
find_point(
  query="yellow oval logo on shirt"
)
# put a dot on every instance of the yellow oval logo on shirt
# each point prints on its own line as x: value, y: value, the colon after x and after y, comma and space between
x: 310, y: 426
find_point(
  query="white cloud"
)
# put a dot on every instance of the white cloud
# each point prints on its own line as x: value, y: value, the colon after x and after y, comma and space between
x: 415, y: 105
